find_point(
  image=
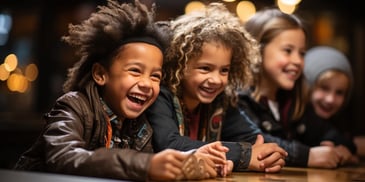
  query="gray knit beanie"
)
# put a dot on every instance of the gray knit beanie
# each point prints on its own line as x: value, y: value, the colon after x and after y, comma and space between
x: 322, y: 58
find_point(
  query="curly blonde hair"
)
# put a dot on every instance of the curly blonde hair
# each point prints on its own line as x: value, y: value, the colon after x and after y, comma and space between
x: 213, y: 24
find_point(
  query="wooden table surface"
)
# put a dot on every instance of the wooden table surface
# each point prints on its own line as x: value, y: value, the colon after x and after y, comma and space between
x: 287, y: 174
x: 292, y: 174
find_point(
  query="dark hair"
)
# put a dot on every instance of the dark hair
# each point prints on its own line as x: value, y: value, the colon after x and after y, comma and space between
x: 98, y: 38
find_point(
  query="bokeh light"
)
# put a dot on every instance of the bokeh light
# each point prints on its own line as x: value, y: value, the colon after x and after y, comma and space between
x: 193, y: 6
x: 31, y: 72
x: 245, y: 9
x: 286, y: 8
x: 4, y: 74
x: 17, y: 83
x: 11, y: 62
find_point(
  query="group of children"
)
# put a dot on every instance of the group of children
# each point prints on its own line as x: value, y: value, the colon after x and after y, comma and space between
x: 193, y: 98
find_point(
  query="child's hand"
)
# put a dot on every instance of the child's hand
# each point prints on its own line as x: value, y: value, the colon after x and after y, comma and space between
x: 268, y: 157
x: 343, y: 152
x: 323, y: 157
x: 206, y: 166
x: 217, y: 153
x: 166, y: 165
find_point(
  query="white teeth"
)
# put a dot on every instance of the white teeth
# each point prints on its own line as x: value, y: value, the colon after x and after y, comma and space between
x: 139, y: 97
x: 294, y: 73
x: 209, y: 90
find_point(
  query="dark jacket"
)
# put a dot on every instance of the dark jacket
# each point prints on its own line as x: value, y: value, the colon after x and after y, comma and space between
x: 296, y: 137
x: 73, y: 142
x: 313, y: 130
x: 164, y: 118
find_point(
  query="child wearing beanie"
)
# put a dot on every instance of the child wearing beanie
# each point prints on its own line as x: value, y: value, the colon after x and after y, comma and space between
x: 330, y: 81
x: 324, y: 65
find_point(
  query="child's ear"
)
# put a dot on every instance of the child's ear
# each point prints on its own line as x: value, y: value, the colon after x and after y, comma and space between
x: 99, y: 74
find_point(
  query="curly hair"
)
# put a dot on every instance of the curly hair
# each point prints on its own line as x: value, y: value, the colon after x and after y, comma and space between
x: 213, y: 24
x: 264, y: 26
x: 98, y: 38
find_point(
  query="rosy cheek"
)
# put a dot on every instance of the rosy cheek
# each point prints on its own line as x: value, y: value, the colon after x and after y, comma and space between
x: 316, y: 96
x: 225, y: 82
x: 156, y: 91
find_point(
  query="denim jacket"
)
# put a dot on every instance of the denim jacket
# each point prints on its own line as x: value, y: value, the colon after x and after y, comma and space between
x: 167, y: 120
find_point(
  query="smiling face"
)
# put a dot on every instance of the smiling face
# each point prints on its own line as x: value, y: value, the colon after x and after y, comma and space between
x: 329, y: 93
x: 206, y: 76
x: 131, y: 84
x: 283, y: 61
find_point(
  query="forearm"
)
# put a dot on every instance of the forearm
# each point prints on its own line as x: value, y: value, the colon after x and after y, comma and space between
x: 240, y: 154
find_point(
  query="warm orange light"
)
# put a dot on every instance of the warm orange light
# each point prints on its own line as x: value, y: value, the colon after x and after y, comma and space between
x: 286, y: 8
x: 290, y: 2
x: 193, y: 6
x: 11, y: 62
x: 324, y: 30
x: 4, y: 74
x: 245, y: 9
x: 17, y: 83
x: 31, y: 72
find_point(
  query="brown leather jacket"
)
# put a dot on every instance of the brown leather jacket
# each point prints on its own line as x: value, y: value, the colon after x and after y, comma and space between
x: 72, y: 142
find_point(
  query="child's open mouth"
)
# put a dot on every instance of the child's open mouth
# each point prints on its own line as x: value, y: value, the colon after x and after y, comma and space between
x: 137, y: 98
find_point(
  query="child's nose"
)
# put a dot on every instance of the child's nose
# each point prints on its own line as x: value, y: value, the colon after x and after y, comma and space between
x: 145, y: 82
x: 215, y: 78
x: 330, y: 98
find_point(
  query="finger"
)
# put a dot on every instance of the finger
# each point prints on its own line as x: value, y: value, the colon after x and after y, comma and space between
x: 221, y: 156
x: 225, y: 170
x: 170, y: 171
x: 217, y: 158
x: 270, y: 160
x: 209, y: 170
x: 259, y: 139
x: 220, y: 147
x: 280, y: 162
x: 273, y: 169
x: 176, y: 171
x: 177, y: 159
x: 180, y: 155
x: 271, y: 149
x: 230, y: 166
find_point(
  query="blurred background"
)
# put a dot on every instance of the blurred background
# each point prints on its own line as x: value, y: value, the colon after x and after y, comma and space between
x: 34, y: 62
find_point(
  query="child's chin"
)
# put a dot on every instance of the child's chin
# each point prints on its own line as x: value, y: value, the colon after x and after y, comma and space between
x: 133, y: 114
x: 207, y: 101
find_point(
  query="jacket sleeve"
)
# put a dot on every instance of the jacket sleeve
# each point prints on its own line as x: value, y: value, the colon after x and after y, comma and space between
x: 319, y: 129
x: 66, y: 150
x: 334, y: 135
x: 241, y: 127
x: 166, y: 133
x: 162, y: 117
x: 298, y: 153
